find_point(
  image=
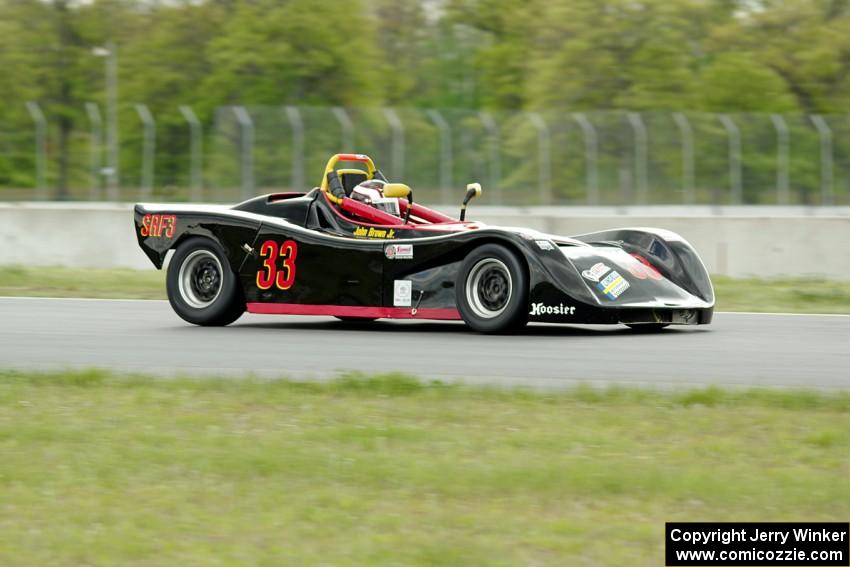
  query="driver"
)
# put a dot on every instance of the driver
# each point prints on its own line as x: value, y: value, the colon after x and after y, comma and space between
x: 371, y: 193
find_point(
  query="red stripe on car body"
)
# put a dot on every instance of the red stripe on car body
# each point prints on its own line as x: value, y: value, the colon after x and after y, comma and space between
x: 354, y: 311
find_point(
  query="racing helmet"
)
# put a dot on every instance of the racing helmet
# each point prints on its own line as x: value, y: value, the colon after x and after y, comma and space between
x: 371, y: 193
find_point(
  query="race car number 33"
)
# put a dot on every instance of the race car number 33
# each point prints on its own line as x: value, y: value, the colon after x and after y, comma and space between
x: 271, y: 274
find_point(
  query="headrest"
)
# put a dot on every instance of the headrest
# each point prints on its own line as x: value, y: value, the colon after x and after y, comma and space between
x: 352, y: 180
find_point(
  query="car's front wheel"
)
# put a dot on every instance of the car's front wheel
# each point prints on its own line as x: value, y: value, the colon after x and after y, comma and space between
x: 202, y: 289
x: 492, y: 290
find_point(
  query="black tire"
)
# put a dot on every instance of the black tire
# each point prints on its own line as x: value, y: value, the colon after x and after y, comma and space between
x: 492, y: 290
x: 647, y: 327
x: 348, y: 319
x: 202, y: 289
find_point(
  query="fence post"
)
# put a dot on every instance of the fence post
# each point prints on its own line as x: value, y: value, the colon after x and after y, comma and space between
x: 826, y: 192
x: 495, y: 157
x: 734, y: 157
x: 197, y: 153
x: 398, y: 142
x: 246, y: 162
x: 783, y: 147
x: 544, y: 158
x: 112, y: 130
x: 688, y: 181
x: 640, y: 156
x: 347, y: 128
x: 148, y: 147
x: 95, y: 145
x: 40, y: 149
x: 445, y: 154
x: 297, y: 125
x: 590, y: 150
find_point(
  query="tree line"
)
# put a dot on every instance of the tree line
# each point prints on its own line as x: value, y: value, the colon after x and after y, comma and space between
x: 782, y: 56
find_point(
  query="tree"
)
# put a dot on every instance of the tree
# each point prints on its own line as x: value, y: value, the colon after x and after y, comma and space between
x: 802, y: 43
x: 503, y: 59
x: 304, y: 51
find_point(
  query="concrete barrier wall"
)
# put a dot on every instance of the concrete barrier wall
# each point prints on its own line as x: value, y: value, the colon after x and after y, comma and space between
x: 97, y: 235
x: 734, y: 241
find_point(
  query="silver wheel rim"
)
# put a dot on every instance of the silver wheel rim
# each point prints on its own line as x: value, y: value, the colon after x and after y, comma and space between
x: 489, y: 288
x: 199, y: 279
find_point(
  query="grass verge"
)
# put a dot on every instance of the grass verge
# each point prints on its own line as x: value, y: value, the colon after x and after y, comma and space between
x: 99, y: 469
x: 82, y: 282
x: 782, y: 295
x: 785, y: 295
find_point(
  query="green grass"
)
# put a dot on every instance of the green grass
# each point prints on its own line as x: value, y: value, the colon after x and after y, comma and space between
x: 781, y: 295
x: 97, y: 469
x: 82, y: 282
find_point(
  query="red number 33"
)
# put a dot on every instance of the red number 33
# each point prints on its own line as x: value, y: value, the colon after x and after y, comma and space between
x: 269, y: 275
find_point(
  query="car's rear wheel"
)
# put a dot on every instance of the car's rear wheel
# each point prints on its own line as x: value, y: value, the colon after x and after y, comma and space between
x: 492, y: 290
x: 202, y: 289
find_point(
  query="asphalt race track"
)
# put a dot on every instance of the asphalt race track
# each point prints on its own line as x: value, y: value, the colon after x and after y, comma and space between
x: 146, y: 336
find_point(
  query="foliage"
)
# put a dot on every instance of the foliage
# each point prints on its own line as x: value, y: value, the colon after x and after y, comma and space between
x: 500, y: 55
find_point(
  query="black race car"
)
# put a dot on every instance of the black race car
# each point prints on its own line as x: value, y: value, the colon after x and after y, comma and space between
x: 331, y: 251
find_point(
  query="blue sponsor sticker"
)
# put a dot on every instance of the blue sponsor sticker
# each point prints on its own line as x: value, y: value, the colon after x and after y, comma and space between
x: 613, y: 285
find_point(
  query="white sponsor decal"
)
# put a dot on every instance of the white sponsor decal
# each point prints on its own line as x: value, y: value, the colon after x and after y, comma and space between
x: 402, y: 293
x: 595, y: 272
x: 544, y: 245
x: 543, y: 309
x: 399, y: 251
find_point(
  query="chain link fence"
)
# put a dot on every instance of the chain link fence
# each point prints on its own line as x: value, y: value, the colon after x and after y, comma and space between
x: 521, y: 158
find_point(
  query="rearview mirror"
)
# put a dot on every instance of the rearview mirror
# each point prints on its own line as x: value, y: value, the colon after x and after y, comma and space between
x: 396, y: 190
x: 472, y: 190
